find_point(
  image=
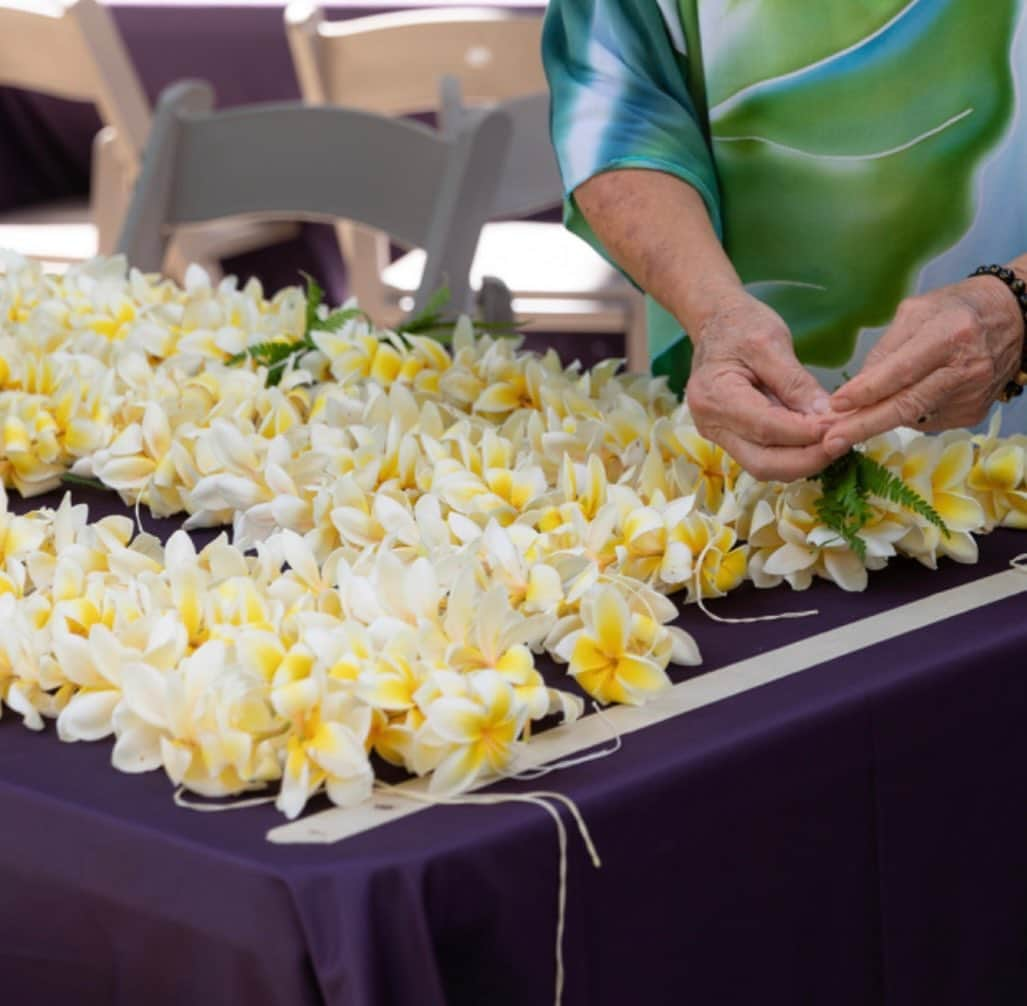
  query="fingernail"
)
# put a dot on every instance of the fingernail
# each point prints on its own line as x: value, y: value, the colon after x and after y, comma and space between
x: 836, y: 446
x: 821, y: 404
x: 842, y: 404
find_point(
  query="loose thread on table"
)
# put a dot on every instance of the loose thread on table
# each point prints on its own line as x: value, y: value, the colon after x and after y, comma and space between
x: 207, y: 808
x: 137, y: 506
x: 1019, y: 562
x: 541, y: 799
x: 529, y: 774
x: 738, y: 621
x: 135, y: 513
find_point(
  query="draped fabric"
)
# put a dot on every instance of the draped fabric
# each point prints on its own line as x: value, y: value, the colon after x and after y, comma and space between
x: 849, y: 154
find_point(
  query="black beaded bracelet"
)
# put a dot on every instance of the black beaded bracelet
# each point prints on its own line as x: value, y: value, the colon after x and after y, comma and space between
x: 1019, y: 290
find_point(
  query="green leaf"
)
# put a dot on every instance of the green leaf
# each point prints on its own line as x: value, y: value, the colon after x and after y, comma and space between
x: 847, y: 484
x: 315, y: 298
x: 430, y: 316
x: 68, y: 479
x: 334, y: 321
x: 843, y: 506
x: 437, y: 301
x: 879, y: 481
x: 847, y: 147
x: 275, y: 355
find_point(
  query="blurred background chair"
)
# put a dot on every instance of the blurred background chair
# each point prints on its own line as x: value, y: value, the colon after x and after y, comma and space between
x: 317, y: 163
x: 555, y: 278
x: 395, y: 64
x: 72, y: 49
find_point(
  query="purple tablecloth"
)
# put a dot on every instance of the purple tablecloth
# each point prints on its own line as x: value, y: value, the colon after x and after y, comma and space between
x: 853, y: 834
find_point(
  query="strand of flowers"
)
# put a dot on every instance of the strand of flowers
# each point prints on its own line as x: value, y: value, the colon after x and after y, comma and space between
x: 426, y: 522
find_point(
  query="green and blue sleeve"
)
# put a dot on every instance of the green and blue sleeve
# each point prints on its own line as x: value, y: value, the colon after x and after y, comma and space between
x: 619, y: 71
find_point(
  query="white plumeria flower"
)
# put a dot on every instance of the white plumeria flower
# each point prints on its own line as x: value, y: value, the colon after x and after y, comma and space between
x: 605, y: 657
x: 325, y: 748
x: 426, y: 522
x: 475, y: 732
x: 789, y: 543
x: 533, y: 587
x: 94, y: 665
x: 938, y: 468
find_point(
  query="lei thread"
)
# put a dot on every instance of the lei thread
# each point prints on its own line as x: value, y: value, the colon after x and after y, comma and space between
x: 530, y: 774
x: 212, y: 808
x: 538, y: 799
x: 697, y: 576
x: 426, y: 521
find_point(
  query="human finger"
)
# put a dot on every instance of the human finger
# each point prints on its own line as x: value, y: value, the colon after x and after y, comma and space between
x: 779, y: 371
x: 924, y: 401
x: 757, y: 419
x: 783, y: 464
x: 911, y: 362
x: 909, y: 318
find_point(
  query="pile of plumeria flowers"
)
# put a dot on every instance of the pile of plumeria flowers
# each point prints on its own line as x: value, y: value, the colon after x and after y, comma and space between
x: 413, y: 527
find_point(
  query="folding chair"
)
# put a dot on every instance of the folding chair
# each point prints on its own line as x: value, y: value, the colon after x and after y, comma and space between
x: 555, y: 278
x: 395, y: 64
x: 425, y: 189
x: 72, y: 49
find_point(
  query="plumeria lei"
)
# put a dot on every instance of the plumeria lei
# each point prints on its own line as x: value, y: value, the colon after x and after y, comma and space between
x: 413, y: 527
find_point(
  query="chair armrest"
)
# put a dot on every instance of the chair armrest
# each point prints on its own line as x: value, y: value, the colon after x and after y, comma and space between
x: 495, y: 302
x: 110, y: 190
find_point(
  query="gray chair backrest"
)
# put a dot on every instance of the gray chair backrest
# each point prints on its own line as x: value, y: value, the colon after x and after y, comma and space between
x: 427, y: 190
x: 530, y: 178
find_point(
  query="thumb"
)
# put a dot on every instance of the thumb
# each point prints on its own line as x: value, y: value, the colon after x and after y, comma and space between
x: 782, y: 375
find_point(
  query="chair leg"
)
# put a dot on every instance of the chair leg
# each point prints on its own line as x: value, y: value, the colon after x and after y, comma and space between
x: 182, y: 253
x: 636, y: 337
x: 110, y: 191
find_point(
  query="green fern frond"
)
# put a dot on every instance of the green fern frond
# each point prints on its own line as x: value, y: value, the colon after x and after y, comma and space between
x: 430, y: 320
x: 315, y: 298
x: 887, y: 485
x: 263, y: 352
x: 848, y: 482
x: 334, y: 321
x: 275, y: 355
x: 843, y: 506
x: 81, y: 481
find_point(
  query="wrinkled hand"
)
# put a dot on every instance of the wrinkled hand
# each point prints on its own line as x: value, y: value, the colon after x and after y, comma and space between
x: 749, y: 394
x: 941, y: 364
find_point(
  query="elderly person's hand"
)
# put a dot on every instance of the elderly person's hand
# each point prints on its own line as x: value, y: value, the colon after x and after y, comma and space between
x: 942, y: 363
x: 748, y: 392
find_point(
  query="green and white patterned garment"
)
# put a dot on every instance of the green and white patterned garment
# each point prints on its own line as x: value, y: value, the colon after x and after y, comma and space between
x: 850, y: 152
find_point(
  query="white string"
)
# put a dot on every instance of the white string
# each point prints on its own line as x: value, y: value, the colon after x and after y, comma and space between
x: 1019, y: 562
x: 738, y: 621
x: 538, y: 799
x: 579, y: 820
x: 206, y: 808
x: 529, y: 774
x: 753, y: 618
x: 138, y: 502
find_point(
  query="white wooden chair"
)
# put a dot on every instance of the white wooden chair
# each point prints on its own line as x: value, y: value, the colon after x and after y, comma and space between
x: 72, y: 49
x: 395, y: 64
x: 318, y: 163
